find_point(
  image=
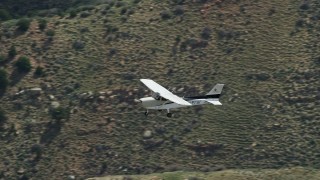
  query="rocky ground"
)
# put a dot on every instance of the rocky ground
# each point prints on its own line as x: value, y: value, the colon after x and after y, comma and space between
x: 253, y: 174
x: 79, y: 119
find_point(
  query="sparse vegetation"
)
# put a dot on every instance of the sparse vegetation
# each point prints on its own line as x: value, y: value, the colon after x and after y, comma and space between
x: 4, y: 15
x: 60, y: 113
x: 3, y: 116
x: 42, y: 24
x: 120, y: 4
x: 23, y: 24
x: 206, y: 33
x: 39, y: 71
x: 300, y: 23
x: 50, y: 32
x: 123, y: 10
x: 12, y: 52
x: 78, y: 45
x: 165, y: 14
x: 2, y: 58
x: 3, y: 79
x: 305, y: 6
x: 178, y: 10
x: 84, y: 14
x: 36, y: 149
x: 73, y: 13
x: 23, y: 64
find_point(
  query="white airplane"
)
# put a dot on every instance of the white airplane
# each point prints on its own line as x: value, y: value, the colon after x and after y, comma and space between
x: 164, y: 99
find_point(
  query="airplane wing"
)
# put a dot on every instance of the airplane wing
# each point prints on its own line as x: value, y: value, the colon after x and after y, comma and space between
x: 157, y: 88
x: 214, y: 102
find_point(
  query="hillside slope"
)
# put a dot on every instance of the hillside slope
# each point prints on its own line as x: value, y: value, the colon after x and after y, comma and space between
x: 84, y: 121
x: 297, y: 173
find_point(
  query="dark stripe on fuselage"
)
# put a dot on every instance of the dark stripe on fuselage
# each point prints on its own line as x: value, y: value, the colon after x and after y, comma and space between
x: 203, y: 97
x: 198, y: 97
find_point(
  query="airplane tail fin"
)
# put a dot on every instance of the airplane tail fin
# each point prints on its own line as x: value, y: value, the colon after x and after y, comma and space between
x: 215, y: 91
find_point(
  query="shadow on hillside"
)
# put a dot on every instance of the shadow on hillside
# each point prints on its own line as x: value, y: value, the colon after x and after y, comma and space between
x: 16, y: 77
x: 6, y: 61
x: 52, y: 130
x: 18, y: 33
x: 2, y: 91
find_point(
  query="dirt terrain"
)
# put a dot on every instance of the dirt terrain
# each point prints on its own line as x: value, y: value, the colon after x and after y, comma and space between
x: 79, y: 119
x: 297, y: 173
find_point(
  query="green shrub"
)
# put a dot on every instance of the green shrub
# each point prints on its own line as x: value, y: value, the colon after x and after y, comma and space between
x: 73, y: 13
x: 78, y: 45
x: 60, y: 113
x: 165, y: 14
x: 120, y: 3
x: 12, y: 52
x: 50, y: 33
x: 178, y: 10
x: 206, y: 33
x: 4, y: 15
x: 3, y: 79
x: 23, y: 24
x: 85, y: 14
x: 39, y: 71
x: 136, y: 1
x: 111, y: 3
x: 2, y: 58
x: 23, y: 64
x: 123, y: 10
x: 3, y: 116
x: 42, y: 24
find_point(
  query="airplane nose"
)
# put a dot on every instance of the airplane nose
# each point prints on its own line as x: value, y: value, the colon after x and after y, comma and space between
x: 137, y: 101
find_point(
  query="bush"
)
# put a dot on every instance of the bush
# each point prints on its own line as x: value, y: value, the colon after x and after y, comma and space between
x: 136, y: 1
x: 112, y: 52
x: 3, y: 116
x: 3, y: 79
x: 37, y: 149
x: 123, y: 10
x: 23, y: 24
x: 317, y: 61
x: 77, y: 45
x: 23, y: 64
x: 112, y: 29
x: 178, y: 10
x: 73, y: 13
x: 86, y: 8
x: 50, y: 33
x: 12, y: 52
x: 299, y: 23
x: 206, y: 33
x: 2, y: 58
x: 180, y: 2
x: 60, y: 113
x: 120, y: 3
x: 42, y: 24
x: 39, y: 71
x: 4, y: 15
x: 85, y: 14
x: 305, y: 6
x: 165, y: 15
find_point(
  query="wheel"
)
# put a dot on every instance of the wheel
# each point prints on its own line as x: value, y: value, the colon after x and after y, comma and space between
x: 146, y: 113
x: 169, y: 115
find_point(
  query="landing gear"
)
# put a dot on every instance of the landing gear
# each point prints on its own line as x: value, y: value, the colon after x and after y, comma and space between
x: 169, y: 114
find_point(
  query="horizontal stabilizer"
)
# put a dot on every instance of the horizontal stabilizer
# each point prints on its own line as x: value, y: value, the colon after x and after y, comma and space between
x: 214, y: 102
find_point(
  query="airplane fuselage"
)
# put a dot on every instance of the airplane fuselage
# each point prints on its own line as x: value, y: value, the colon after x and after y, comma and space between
x: 151, y: 103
